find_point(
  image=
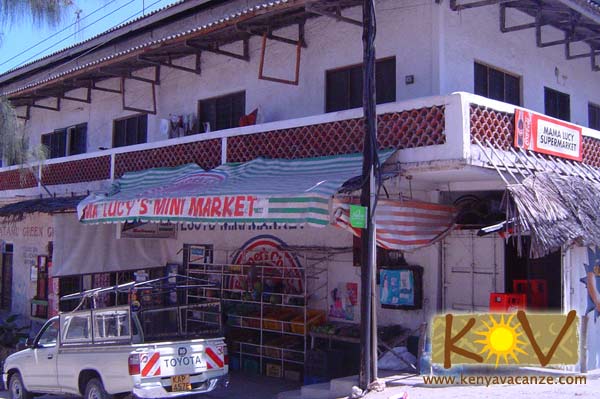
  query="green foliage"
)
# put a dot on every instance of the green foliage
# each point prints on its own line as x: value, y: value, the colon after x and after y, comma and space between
x: 41, y: 12
x: 10, y: 331
x: 14, y: 145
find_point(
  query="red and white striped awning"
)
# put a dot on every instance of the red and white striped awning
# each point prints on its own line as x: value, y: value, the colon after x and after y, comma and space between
x: 403, y: 225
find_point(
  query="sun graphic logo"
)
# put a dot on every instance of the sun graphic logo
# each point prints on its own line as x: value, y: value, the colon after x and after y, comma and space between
x: 519, y: 338
x: 501, y: 338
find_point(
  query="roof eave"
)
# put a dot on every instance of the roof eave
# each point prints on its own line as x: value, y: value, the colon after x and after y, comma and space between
x: 97, y: 40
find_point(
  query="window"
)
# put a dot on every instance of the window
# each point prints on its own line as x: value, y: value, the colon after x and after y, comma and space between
x: 76, y: 327
x: 48, y: 336
x: 69, y: 285
x: 344, y: 86
x: 111, y: 324
x: 55, y: 143
x: 6, y: 266
x: 68, y: 141
x: 222, y: 112
x: 557, y: 104
x: 594, y: 116
x: 130, y: 131
x: 497, y: 85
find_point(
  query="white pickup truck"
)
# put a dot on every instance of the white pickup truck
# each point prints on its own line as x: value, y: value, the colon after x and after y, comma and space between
x: 101, y: 353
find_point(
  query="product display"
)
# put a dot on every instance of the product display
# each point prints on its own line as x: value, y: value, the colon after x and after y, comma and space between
x: 265, y: 313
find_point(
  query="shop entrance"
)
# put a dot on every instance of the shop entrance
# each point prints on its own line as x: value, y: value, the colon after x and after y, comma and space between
x: 540, y: 279
x: 6, y: 263
x: 472, y: 270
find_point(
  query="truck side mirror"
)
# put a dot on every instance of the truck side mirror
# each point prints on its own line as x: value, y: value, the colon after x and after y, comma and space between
x: 25, y: 345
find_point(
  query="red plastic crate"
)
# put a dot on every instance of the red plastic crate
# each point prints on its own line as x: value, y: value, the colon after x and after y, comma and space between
x: 507, y: 303
x: 536, y: 291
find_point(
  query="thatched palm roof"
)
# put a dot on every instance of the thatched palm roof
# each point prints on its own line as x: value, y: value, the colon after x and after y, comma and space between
x: 556, y: 210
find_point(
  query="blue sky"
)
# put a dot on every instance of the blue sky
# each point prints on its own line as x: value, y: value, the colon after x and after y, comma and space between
x: 95, y: 17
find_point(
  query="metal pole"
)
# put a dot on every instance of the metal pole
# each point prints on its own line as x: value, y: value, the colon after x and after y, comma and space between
x: 368, y: 329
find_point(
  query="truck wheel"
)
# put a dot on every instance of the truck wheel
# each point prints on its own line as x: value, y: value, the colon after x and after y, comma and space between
x: 17, y: 388
x: 95, y: 390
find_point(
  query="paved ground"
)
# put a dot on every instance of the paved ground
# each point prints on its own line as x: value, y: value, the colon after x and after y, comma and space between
x: 251, y: 387
x: 590, y: 390
x: 242, y: 386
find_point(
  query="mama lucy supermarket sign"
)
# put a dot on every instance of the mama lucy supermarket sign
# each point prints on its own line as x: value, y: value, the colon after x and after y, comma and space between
x: 546, y: 135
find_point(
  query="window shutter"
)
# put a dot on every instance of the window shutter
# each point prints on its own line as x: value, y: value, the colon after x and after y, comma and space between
x: 385, y: 78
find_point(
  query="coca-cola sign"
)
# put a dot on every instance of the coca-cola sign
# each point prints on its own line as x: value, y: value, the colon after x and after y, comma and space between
x: 547, y: 135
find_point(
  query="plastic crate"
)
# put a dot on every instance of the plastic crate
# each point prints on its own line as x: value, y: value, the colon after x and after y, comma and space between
x: 251, y: 366
x: 536, y: 291
x: 313, y: 317
x: 292, y: 375
x: 326, y: 364
x: 501, y: 302
x: 273, y: 370
x: 234, y: 363
x: 314, y: 379
x: 271, y: 352
x: 277, y: 321
x: 252, y: 323
x: 234, y: 320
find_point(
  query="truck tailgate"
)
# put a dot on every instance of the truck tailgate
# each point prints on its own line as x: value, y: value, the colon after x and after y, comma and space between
x: 182, y: 358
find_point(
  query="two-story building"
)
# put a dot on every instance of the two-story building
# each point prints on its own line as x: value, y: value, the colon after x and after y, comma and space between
x: 476, y: 100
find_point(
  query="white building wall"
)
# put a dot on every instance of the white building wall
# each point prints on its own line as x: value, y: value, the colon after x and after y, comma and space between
x: 436, y: 45
x: 403, y: 31
x: 30, y: 238
x: 576, y: 297
x: 474, y: 35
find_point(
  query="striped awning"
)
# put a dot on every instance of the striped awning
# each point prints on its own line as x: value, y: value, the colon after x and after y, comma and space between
x: 260, y: 191
x: 404, y: 225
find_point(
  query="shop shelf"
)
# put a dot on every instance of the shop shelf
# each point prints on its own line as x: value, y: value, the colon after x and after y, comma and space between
x: 313, y: 317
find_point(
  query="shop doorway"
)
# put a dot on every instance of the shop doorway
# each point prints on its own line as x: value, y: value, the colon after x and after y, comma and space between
x: 6, y: 264
x: 540, y: 279
x: 472, y: 270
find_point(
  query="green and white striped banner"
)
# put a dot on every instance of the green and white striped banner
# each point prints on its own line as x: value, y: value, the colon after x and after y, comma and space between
x: 260, y: 191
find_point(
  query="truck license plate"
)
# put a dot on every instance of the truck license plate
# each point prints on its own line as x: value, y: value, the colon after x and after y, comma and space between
x: 181, y: 383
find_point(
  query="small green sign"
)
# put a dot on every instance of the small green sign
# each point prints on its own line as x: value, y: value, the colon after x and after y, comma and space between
x: 358, y: 216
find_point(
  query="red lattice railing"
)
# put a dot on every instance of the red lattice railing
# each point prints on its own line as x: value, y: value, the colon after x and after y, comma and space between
x: 591, y: 151
x: 206, y: 153
x: 17, y: 179
x: 83, y: 170
x: 488, y: 124
x: 497, y: 127
x: 408, y: 129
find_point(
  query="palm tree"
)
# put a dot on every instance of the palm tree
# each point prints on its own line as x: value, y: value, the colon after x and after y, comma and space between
x: 41, y: 12
x: 14, y: 146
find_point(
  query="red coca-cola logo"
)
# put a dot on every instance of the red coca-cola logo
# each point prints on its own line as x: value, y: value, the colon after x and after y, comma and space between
x: 527, y: 129
x: 269, y: 252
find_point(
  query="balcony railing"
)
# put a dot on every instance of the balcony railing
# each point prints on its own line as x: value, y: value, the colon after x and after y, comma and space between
x: 427, y: 129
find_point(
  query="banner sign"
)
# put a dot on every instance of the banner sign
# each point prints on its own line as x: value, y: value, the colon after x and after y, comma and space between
x: 547, y: 135
x: 148, y: 230
x: 283, y: 191
x: 213, y: 208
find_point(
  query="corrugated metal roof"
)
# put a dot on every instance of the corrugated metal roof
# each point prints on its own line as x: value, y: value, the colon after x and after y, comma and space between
x: 17, y: 210
x: 234, y: 16
x: 114, y: 28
